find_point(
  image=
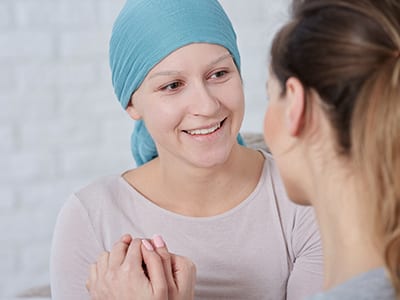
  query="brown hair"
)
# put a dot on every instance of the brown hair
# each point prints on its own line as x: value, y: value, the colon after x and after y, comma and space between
x: 349, y: 52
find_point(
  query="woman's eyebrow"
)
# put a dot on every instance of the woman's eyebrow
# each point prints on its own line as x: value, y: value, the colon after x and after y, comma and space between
x: 169, y: 73
x: 223, y: 57
x: 164, y: 73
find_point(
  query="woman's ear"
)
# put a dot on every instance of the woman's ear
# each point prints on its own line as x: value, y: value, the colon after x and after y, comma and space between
x: 295, y: 111
x: 132, y: 111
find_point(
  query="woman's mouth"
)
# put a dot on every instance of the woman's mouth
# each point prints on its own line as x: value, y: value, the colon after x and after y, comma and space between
x: 205, y: 131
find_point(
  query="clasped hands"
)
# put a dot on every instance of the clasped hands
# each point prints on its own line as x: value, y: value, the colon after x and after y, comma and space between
x: 141, y: 269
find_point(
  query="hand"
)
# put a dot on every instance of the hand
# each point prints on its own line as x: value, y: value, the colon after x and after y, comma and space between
x: 180, y: 272
x: 119, y: 274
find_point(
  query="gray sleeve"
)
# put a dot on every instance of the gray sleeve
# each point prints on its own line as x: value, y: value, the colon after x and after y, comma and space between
x: 74, y: 248
x: 306, y: 277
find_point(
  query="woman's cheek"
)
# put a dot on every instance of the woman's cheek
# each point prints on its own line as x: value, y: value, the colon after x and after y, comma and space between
x: 269, y: 126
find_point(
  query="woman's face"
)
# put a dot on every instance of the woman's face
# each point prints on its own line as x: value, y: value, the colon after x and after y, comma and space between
x: 274, y: 115
x: 192, y: 103
x: 281, y: 143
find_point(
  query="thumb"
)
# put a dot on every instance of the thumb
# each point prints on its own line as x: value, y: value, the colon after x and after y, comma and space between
x: 184, y: 271
x: 155, y: 270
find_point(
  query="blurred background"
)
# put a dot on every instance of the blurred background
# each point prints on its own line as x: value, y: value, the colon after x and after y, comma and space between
x: 60, y: 123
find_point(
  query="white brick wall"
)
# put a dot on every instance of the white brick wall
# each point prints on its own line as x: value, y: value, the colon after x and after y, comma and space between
x: 60, y: 124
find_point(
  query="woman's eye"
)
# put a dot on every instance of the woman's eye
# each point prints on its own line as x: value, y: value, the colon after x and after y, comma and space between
x: 219, y: 74
x: 172, y: 86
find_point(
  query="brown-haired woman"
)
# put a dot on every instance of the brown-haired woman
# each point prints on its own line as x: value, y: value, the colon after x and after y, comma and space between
x: 333, y: 126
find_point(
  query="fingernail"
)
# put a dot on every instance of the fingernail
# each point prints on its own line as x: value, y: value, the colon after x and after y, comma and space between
x: 158, y: 241
x: 147, y: 245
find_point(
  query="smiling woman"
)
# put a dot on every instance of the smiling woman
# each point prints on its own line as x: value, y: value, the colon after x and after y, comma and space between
x: 214, y: 200
x: 192, y: 105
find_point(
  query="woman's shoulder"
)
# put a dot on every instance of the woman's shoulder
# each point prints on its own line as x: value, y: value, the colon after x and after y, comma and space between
x: 100, y: 202
x: 105, y: 185
x: 98, y: 193
x: 288, y: 211
x: 373, y: 284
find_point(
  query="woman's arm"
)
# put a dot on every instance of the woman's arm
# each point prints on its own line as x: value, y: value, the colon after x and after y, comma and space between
x: 74, y: 248
x: 306, y: 277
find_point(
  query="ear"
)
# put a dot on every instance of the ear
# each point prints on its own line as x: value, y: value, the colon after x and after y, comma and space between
x: 132, y: 111
x: 295, y: 111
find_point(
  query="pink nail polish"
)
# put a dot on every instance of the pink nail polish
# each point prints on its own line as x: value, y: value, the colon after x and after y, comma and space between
x: 147, y: 245
x: 158, y: 241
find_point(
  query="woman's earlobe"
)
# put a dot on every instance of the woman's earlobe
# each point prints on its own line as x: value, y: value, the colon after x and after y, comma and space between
x: 296, y: 106
x: 132, y: 112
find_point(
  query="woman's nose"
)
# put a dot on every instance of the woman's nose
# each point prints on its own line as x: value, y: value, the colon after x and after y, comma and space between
x: 204, y: 101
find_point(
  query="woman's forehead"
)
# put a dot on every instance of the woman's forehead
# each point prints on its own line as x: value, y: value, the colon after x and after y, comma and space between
x: 201, y: 54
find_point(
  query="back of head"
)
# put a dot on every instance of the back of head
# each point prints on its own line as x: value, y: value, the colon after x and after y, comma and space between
x: 349, y: 52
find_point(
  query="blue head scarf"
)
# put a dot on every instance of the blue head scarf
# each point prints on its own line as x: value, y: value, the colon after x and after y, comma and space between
x: 145, y: 32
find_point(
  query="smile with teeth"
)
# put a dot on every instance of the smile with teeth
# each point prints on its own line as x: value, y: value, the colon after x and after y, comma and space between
x: 204, y: 131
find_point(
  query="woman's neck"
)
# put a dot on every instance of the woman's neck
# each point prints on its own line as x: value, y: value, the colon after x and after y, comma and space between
x: 199, y: 192
x: 346, y: 224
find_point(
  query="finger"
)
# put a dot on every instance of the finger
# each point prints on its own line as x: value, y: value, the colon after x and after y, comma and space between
x: 117, y: 254
x: 92, y: 276
x: 185, y: 275
x: 126, y: 238
x: 133, y: 258
x: 184, y: 271
x: 162, y: 251
x: 155, y: 269
x: 102, y: 263
x: 87, y: 285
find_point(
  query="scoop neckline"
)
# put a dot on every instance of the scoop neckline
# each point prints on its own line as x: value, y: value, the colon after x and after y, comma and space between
x: 150, y: 204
